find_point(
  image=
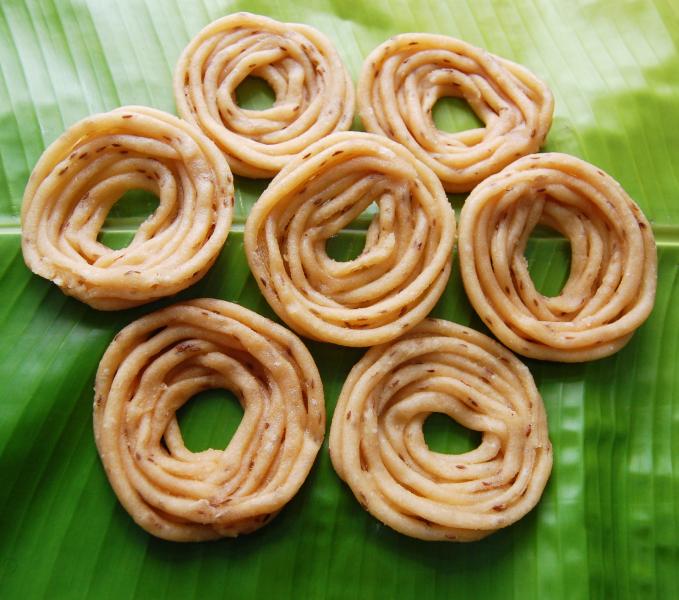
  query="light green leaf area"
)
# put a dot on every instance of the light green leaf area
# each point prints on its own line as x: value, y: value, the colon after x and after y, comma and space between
x: 608, y: 523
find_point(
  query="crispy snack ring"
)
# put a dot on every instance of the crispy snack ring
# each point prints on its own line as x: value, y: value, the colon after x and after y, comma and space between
x: 378, y: 448
x: 314, y: 93
x: 611, y: 287
x: 85, y: 171
x: 153, y: 366
x: 404, y: 77
x: 405, y: 264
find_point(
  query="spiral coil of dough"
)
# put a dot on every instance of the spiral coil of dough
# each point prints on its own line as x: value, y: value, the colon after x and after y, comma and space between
x: 87, y: 169
x: 402, y: 80
x: 404, y: 266
x: 611, y: 287
x: 313, y: 90
x: 378, y: 448
x: 153, y: 366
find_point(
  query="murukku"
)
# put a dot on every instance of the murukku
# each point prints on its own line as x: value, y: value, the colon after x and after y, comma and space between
x: 154, y: 366
x: 85, y: 172
x: 378, y: 447
x: 314, y: 95
x: 405, y: 263
x: 402, y: 80
x: 611, y: 287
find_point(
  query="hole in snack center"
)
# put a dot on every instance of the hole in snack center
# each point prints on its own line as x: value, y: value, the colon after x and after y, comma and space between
x: 453, y: 115
x: 128, y: 212
x: 445, y: 435
x: 349, y: 243
x: 209, y: 419
x: 549, y: 260
x: 255, y: 94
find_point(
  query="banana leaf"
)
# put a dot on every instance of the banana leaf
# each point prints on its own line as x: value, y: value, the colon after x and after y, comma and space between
x: 608, y: 523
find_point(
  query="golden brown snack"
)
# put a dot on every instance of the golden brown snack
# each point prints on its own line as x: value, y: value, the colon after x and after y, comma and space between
x: 314, y: 93
x: 378, y: 448
x: 611, y: 287
x: 86, y: 170
x: 153, y: 366
x: 404, y: 77
x: 405, y: 264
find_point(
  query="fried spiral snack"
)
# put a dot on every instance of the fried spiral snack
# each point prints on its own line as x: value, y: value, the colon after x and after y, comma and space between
x: 377, y: 446
x: 86, y: 170
x: 405, y: 264
x: 154, y: 366
x: 611, y: 287
x: 314, y: 93
x: 402, y: 80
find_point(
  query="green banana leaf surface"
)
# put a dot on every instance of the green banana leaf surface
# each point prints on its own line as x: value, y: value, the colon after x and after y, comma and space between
x: 608, y: 523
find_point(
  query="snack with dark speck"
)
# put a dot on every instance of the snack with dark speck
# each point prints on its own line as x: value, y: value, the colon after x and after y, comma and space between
x: 157, y: 363
x: 378, y: 448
